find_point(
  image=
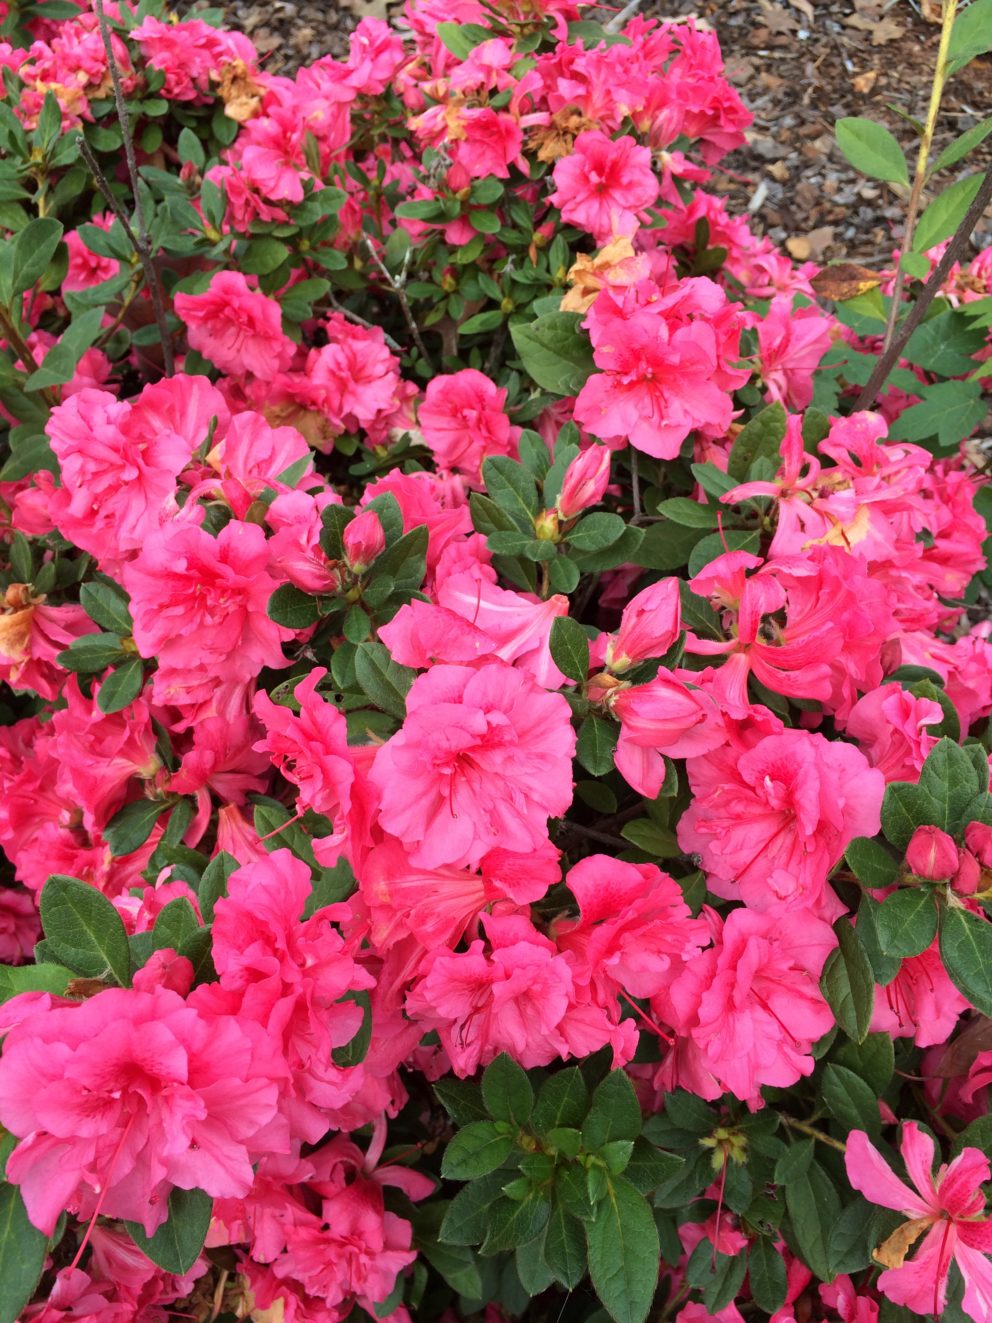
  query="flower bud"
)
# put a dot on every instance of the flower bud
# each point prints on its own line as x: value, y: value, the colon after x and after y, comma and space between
x: 649, y: 626
x: 932, y: 854
x: 978, y: 839
x: 363, y: 541
x: 584, y: 482
x: 967, y: 880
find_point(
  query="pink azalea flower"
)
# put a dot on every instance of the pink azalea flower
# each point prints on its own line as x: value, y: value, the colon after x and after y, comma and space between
x: 604, y: 186
x: 483, y: 759
x: 236, y: 327
x: 948, y: 1206
x: 119, y: 1099
x: 32, y: 634
x: 770, y: 821
x: 463, y: 421
x: 791, y: 343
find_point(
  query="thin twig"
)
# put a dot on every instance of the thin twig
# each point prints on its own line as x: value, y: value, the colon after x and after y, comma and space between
x: 142, y: 241
x: 922, y: 161
x: 813, y: 1133
x: 22, y: 349
x: 397, y: 284
x: 937, y: 277
x: 618, y: 20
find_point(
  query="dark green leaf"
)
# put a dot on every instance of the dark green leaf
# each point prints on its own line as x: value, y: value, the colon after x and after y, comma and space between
x: 86, y: 930
x: 614, y: 1113
x: 565, y: 1247
x: 852, y: 1238
x: 107, y: 603
x: 814, y: 1206
x: 906, y: 921
x: 132, y: 825
x: 850, y: 1100
x: 761, y: 438
x: 849, y: 984
x: 507, y: 1091
x: 22, y: 1254
x: 292, y: 607
x: 122, y: 686
x: 966, y: 952
x: 177, y: 1243
x: 766, y: 1275
x: 386, y: 682
x: 949, y: 413
x: 461, y: 1100
x: 596, y: 743
x: 624, y: 1252
x: 570, y: 648
x: 213, y: 883
x: 871, y: 863
x: 477, y: 1149
x: 562, y: 1101
x: 555, y: 352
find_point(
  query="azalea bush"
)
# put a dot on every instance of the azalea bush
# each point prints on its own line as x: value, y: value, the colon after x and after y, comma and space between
x: 494, y: 763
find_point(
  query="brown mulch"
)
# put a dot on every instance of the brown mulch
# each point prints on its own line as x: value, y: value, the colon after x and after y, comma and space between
x: 800, y: 65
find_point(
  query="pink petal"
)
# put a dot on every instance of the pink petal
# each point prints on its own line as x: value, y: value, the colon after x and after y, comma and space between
x: 915, y: 1283
x: 871, y: 1175
x: 917, y: 1152
x: 977, y: 1273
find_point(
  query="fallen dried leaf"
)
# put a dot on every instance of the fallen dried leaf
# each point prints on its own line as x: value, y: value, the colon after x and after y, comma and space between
x: 882, y: 29
x: 779, y: 171
x: 777, y: 18
x: 805, y: 8
x: 845, y: 281
x: 863, y: 83
x: 812, y: 246
x: 932, y: 10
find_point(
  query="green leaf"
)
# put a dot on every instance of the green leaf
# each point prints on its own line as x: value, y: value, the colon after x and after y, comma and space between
x: 386, y: 682
x: 507, y: 1091
x: 15, y: 979
x: 848, y: 983
x: 852, y: 1238
x: 971, y: 34
x: 949, y: 413
x: 872, y: 149
x: 122, y: 686
x: 715, y: 544
x: 652, y: 838
x: 175, y: 925
x: 292, y: 607
x: 761, y: 438
x: 906, y: 921
x: 61, y: 361
x: 23, y: 1249
x: 766, y: 1274
x: 945, y: 344
x: 966, y: 953
x: 570, y: 648
x: 850, y: 1100
x: 132, y: 825
x: 263, y: 255
x: 476, y: 1150
x: 513, y: 489
x: 565, y: 1247
x: 461, y: 1100
x: 945, y: 213
x: 87, y: 932
x: 92, y: 652
x: 455, y: 1263
x: 595, y: 745
x: 514, y: 1222
x: 871, y: 863
x: 614, y: 1113
x: 32, y: 250
x: 562, y: 1101
x: 596, y: 532
x: 624, y: 1253
x: 555, y: 352
x: 107, y: 604
x: 213, y: 883
x: 873, y: 1060
x: 690, y: 514
x: 462, y: 38
x: 354, y: 1052
x: 814, y: 1206
x: 177, y: 1243
x: 535, y: 1275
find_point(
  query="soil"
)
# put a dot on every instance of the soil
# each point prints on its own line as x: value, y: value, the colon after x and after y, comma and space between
x: 800, y: 65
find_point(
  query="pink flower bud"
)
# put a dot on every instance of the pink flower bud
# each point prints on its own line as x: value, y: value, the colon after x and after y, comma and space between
x: 932, y: 854
x: 363, y: 540
x: 585, y: 480
x: 978, y: 838
x: 967, y: 879
x: 649, y: 626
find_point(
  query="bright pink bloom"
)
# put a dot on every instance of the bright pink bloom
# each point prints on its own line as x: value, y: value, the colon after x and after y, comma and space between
x: 920, y: 1003
x: 890, y: 724
x: 751, y: 1007
x: 31, y: 637
x: 363, y: 540
x: 663, y: 360
x: 948, y: 1205
x: 665, y: 717
x: 20, y: 927
x: 635, y: 932
x: 252, y: 457
x: 604, y: 187
x: 200, y: 606
x: 463, y: 421
x: 771, y: 821
x: 791, y: 343
x: 236, y: 327
x: 483, y: 759
x: 118, y: 1099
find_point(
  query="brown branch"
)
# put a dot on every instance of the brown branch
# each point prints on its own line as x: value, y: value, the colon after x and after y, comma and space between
x: 939, y: 274
x: 141, y: 242
x: 397, y: 284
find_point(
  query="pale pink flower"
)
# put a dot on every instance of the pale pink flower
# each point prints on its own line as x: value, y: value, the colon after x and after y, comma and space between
x: 483, y: 759
x: 948, y: 1206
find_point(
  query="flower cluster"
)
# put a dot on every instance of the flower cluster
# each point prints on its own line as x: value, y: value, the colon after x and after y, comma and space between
x: 456, y: 618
